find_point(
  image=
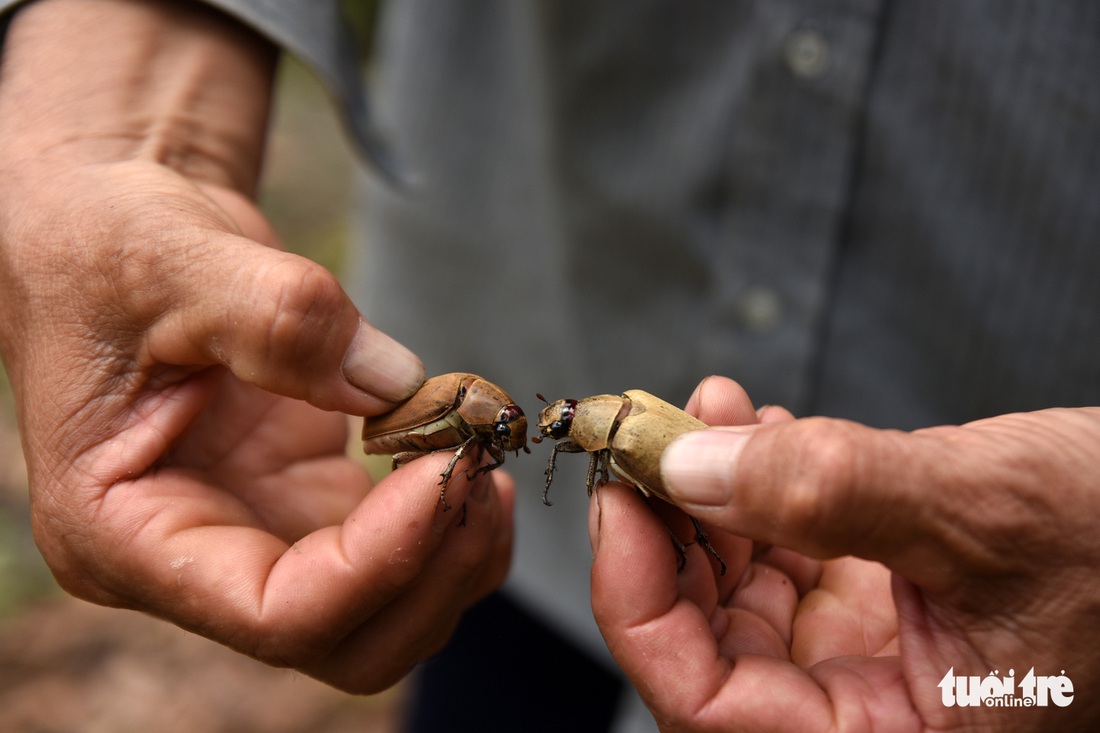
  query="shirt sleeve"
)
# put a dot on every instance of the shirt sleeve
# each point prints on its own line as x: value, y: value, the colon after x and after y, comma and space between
x: 317, y: 33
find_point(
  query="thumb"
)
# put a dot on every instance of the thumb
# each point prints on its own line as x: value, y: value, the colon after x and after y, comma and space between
x: 828, y: 488
x: 285, y: 324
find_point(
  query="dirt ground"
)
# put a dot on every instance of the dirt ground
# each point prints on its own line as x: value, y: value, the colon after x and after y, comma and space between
x: 71, y: 666
x: 66, y: 665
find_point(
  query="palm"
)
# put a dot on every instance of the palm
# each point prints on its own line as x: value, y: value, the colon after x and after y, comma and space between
x: 282, y: 461
x: 822, y: 634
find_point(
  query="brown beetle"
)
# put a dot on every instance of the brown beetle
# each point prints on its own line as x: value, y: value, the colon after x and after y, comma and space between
x: 450, y: 411
x: 625, y: 433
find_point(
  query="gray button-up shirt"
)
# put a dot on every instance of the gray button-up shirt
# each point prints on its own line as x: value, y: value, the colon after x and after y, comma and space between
x: 886, y: 211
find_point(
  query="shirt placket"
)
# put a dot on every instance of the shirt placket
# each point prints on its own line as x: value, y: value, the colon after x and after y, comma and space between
x: 793, y: 150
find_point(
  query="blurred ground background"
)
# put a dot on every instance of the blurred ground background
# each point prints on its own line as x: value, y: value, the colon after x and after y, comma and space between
x: 66, y: 665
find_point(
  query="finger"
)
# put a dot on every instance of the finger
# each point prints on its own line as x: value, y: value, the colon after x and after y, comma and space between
x: 769, y: 595
x: 773, y: 414
x: 472, y: 560
x: 635, y: 598
x: 800, y: 485
x: 668, y: 647
x: 851, y: 612
x: 828, y: 488
x: 629, y: 537
x: 753, y: 602
x: 721, y: 401
x: 700, y: 577
x: 283, y: 323
x: 804, y: 572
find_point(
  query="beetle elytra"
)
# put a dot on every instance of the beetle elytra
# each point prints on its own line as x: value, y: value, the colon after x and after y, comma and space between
x: 452, y: 411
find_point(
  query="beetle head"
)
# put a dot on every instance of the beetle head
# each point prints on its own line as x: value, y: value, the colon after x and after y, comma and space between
x: 510, y: 429
x: 556, y: 419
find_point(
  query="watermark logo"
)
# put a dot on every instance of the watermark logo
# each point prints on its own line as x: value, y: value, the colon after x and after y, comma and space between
x: 993, y: 690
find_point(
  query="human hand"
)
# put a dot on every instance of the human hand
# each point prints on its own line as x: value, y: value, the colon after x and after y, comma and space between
x: 864, y: 565
x: 179, y: 379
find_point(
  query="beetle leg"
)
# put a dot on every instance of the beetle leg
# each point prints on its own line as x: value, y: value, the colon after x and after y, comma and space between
x: 565, y: 446
x: 590, y: 478
x: 704, y: 541
x: 498, y: 460
x: 558, y: 448
x: 681, y: 549
x: 400, y: 459
x: 604, y: 462
x: 445, y: 477
x: 597, y: 464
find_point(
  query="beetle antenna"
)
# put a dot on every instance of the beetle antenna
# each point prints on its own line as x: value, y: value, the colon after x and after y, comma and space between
x: 539, y: 395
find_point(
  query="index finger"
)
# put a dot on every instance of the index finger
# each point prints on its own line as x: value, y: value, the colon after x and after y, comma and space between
x: 668, y: 646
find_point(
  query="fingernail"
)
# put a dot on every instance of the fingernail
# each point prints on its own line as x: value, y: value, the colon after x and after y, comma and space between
x: 699, y: 468
x: 377, y: 364
x: 692, y: 407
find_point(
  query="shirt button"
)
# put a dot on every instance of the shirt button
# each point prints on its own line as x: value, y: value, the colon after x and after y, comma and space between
x: 807, y: 54
x: 759, y: 309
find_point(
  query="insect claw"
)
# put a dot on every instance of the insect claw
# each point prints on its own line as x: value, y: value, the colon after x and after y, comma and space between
x: 444, y: 482
x: 681, y: 552
x: 704, y: 541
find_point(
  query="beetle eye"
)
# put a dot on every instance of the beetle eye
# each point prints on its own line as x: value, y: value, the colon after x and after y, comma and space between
x: 505, y: 418
x: 560, y: 428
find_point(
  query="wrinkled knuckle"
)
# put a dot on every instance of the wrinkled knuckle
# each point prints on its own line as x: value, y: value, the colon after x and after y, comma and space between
x: 314, y: 290
x: 825, y: 463
x: 303, y: 310
x: 307, y: 294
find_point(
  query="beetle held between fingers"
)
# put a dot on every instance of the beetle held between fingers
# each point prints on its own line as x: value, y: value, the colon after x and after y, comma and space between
x: 623, y: 434
x: 458, y: 411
